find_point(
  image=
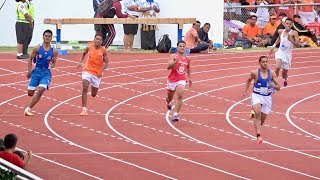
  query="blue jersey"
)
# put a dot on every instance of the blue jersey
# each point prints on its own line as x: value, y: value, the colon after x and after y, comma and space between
x: 43, y: 58
x: 263, y: 86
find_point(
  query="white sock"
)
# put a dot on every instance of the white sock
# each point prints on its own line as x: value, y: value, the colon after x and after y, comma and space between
x: 19, y: 54
x: 27, y: 109
x: 84, y: 108
x: 175, y: 114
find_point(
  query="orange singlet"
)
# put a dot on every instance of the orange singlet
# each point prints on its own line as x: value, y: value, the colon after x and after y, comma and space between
x: 95, y: 60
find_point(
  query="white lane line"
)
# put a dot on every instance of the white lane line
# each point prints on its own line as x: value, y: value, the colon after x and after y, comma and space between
x: 292, y: 123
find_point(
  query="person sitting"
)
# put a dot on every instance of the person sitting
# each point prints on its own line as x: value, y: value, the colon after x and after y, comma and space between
x: 10, y: 142
x: 204, y: 37
x: 302, y: 31
x: 251, y: 31
x: 193, y: 42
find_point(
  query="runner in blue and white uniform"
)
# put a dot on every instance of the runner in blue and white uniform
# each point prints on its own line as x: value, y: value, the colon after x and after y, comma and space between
x: 264, y: 82
x: 44, y: 57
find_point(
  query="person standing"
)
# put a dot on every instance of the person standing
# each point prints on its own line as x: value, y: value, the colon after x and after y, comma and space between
x: 261, y: 101
x: 107, y: 30
x: 23, y: 25
x: 30, y: 7
x: 44, y: 56
x: 96, y: 4
x: 148, y: 37
x: 179, y: 64
x: 93, y: 69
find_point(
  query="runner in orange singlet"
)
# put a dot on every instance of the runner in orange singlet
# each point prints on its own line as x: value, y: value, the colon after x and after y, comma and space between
x: 92, y: 71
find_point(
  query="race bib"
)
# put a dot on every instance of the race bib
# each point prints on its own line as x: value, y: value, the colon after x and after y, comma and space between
x: 283, y: 47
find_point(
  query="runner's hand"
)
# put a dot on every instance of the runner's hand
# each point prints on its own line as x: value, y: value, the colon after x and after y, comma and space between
x: 190, y: 83
x: 28, y: 75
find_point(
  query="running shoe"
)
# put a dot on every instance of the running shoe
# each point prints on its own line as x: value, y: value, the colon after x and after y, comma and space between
x: 84, y: 112
x: 27, y: 112
x: 175, y: 118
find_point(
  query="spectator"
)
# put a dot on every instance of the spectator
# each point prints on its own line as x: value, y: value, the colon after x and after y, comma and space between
x: 96, y: 4
x: 133, y: 8
x: 30, y: 7
x: 302, y: 31
x: 270, y: 27
x: 107, y: 30
x: 10, y: 142
x: 23, y: 25
x: 148, y: 38
x: 1, y: 145
x: 262, y: 13
x: 203, y: 35
x: 20, y: 154
x: 251, y: 30
x: 193, y: 41
x: 307, y: 13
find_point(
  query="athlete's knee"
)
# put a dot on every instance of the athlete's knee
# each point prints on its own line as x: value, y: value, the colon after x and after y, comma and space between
x: 30, y: 93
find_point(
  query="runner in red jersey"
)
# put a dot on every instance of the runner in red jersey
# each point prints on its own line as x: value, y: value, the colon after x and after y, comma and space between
x: 179, y: 64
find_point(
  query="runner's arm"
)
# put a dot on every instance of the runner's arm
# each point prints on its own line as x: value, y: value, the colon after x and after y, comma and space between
x: 54, y: 59
x: 248, y: 82
x: 32, y: 56
x: 86, y: 50
x: 275, y: 81
x: 171, y: 61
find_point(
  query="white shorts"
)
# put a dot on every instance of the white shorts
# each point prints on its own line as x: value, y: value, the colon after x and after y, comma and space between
x: 265, y: 101
x: 285, y: 59
x: 173, y: 85
x: 94, y: 80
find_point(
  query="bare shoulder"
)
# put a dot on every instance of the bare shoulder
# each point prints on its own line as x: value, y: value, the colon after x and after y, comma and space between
x: 254, y: 73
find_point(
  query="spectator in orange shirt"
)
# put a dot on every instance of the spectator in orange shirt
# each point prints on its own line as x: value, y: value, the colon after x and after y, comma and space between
x: 251, y: 30
x: 193, y: 42
x: 270, y: 27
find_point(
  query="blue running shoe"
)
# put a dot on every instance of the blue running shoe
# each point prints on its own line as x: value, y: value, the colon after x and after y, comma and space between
x: 175, y: 118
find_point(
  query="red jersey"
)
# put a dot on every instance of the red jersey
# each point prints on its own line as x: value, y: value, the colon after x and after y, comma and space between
x: 178, y: 72
x: 12, y: 158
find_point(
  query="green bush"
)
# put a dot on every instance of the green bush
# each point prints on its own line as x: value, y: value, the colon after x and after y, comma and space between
x: 7, y: 175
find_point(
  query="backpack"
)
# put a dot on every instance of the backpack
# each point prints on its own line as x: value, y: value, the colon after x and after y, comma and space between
x: 164, y: 44
x: 244, y: 43
x: 104, y: 8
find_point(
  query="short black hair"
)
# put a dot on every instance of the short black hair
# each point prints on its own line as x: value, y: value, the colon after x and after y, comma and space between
x: 196, y: 22
x: 10, y: 141
x: 1, y: 145
x: 207, y: 24
x: 182, y: 41
x: 20, y: 154
x: 253, y: 16
x: 47, y: 31
x: 262, y: 57
x: 283, y: 14
x: 98, y: 34
x: 296, y: 16
x: 288, y: 19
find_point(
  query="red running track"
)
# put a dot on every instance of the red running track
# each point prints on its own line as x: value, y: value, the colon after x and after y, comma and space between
x: 128, y: 134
